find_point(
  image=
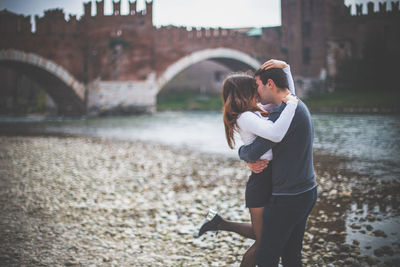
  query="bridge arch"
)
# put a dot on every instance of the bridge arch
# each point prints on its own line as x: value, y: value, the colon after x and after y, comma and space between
x: 66, y: 91
x: 231, y: 58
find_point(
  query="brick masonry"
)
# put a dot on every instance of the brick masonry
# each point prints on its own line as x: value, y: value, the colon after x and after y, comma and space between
x: 119, y: 62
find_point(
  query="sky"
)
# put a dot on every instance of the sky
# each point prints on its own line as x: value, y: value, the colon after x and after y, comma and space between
x: 192, y: 13
x: 196, y: 13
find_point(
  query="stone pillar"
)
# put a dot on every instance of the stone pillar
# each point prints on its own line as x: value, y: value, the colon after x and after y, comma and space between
x: 359, y: 8
x: 122, y: 97
x: 132, y: 7
x: 382, y: 7
x: 395, y: 6
x: 292, y: 33
x: 117, y: 8
x: 88, y: 9
x: 149, y: 12
x: 370, y: 7
x: 100, y: 8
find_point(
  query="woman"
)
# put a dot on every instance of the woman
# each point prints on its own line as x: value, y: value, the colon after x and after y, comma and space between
x: 242, y: 114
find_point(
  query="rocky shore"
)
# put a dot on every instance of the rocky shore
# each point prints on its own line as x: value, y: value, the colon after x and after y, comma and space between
x: 75, y: 201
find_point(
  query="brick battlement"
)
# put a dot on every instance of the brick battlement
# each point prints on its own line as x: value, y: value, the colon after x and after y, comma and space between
x: 117, y: 9
x: 53, y: 22
x: 13, y: 23
x: 319, y: 35
x: 110, y: 39
x: 173, y: 34
x: 119, y: 51
x: 125, y: 56
x: 382, y: 11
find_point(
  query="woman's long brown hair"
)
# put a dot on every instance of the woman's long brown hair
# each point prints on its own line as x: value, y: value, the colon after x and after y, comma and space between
x: 239, y: 94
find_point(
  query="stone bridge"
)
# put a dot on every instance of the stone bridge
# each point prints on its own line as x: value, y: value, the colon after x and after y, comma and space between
x: 101, y: 64
x: 62, y: 87
x: 142, y: 95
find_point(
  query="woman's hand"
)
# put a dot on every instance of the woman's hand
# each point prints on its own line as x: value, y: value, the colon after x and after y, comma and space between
x: 274, y: 63
x: 257, y: 166
x: 290, y: 97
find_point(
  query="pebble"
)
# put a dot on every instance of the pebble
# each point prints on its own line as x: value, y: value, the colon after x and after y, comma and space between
x: 371, y: 259
x: 96, y: 202
x: 369, y: 227
x: 384, y: 250
x: 379, y: 233
x: 351, y: 261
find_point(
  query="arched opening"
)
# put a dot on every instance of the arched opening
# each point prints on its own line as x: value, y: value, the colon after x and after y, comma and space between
x: 194, y: 81
x: 38, y: 74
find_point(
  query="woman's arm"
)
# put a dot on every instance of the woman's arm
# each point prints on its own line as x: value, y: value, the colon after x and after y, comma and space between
x: 273, y: 131
x: 290, y: 79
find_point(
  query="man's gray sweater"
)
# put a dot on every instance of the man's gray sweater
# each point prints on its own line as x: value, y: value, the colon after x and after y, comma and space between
x: 292, y: 164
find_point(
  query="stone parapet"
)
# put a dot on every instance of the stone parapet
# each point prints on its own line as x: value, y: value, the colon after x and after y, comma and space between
x: 60, y: 72
x: 127, y: 97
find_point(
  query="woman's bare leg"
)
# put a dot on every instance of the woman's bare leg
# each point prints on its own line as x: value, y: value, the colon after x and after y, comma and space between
x: 249, y: 258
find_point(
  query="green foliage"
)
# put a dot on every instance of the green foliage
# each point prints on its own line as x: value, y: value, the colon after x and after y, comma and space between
x: 188, y: 100
x: 41, y: 100
x: 324, y: 101
x: 354, y: 99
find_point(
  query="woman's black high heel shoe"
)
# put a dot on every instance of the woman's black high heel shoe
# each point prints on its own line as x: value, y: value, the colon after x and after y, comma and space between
x: 210, y: 224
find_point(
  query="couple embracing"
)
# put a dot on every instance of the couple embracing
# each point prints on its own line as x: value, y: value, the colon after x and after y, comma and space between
x: 277, y: 132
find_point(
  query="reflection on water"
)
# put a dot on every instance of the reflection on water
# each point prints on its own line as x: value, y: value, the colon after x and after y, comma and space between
x: 372, y: 137
x: 349, y: 145
x: 370, y: 143
x: 375, y: 228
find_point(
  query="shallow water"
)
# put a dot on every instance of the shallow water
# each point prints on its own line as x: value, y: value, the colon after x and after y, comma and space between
x: 350, y: 145
x: 369, y: 143
x: 378, y: 218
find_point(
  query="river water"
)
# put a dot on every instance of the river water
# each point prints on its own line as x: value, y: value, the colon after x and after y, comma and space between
x: 353, y: 145
x: 369, y: 143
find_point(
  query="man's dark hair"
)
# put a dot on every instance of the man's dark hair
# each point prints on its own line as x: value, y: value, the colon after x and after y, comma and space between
x: 277, y: 75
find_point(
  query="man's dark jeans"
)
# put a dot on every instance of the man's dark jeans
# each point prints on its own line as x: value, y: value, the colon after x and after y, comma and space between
x: 285, y: 219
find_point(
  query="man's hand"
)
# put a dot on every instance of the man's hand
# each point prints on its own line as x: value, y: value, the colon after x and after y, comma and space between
x: 257, y: 166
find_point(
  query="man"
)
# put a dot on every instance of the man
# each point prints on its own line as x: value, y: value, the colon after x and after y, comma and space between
x: 293, y: 182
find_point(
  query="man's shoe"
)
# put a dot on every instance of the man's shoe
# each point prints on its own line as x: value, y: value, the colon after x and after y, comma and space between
x: 210, y: 224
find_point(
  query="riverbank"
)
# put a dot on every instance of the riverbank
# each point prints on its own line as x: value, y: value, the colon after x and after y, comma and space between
x: 355, y: 102
x: 336, y: 102
x: 188, y: 100
x: 75, y: 201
